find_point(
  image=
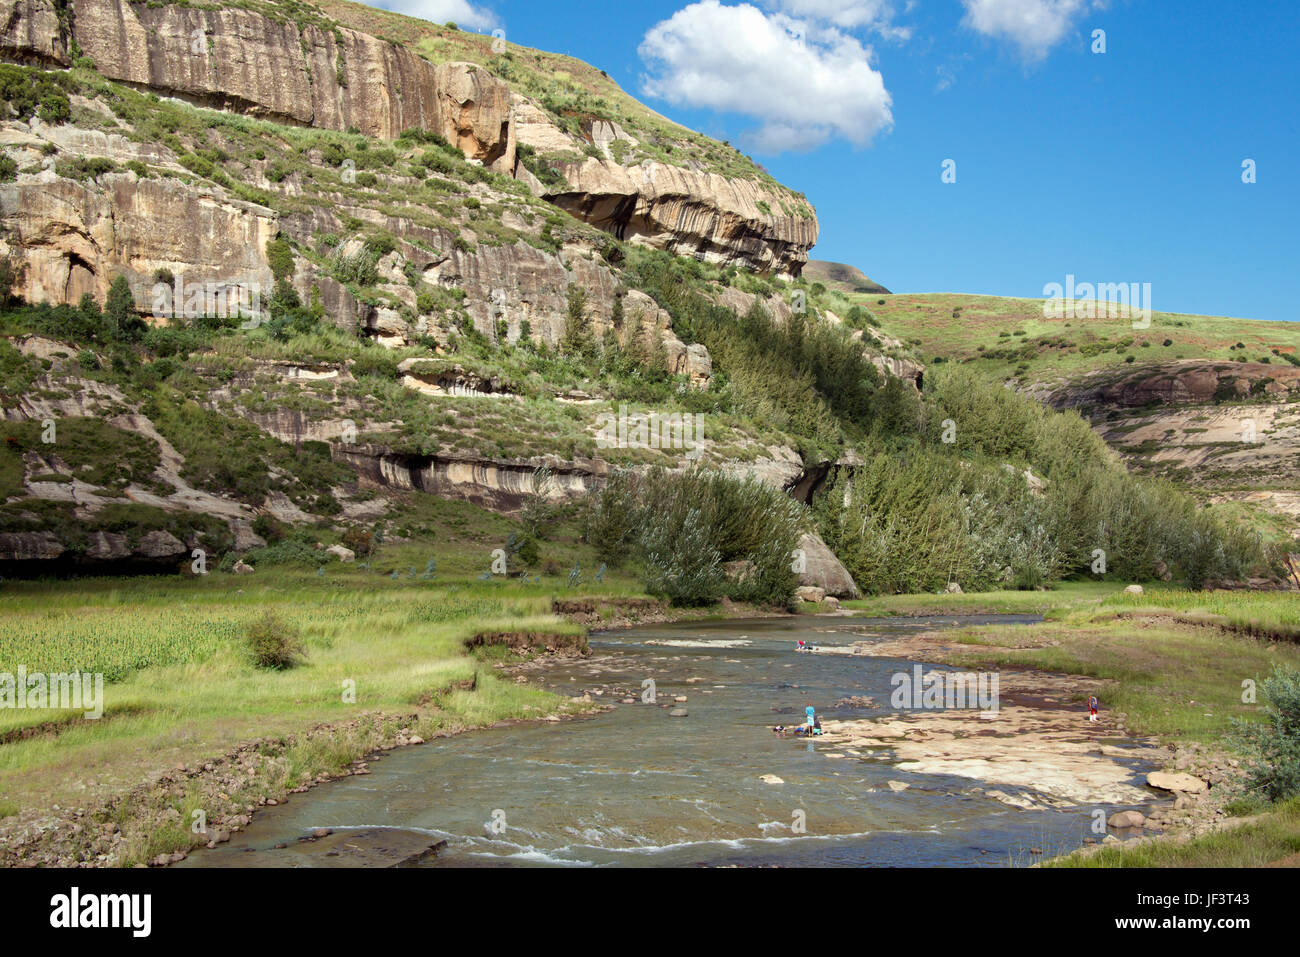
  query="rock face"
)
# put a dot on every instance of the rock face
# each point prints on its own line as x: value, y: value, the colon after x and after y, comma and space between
x: 502, y: 485
x: 689, y: 213
x: 1184, y: 418
x: 1179, y: 383
x: 333, y: 78
x: 77, y: 238
x: 25, y: 552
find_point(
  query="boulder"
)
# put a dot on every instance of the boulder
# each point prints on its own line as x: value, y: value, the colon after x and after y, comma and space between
x: 108, y: 546
x: 1176, y: 781
x: 693, y: 361
x: 770, y: 779
x: 1126, y: 819
x: 809, y: 593
x: 245, y: 538
x: 160, y: 546
x: 1133, y: 590
x: 243, y: 569
x: 953, y: 589
x: 344, y: 554
x: 822, y: 570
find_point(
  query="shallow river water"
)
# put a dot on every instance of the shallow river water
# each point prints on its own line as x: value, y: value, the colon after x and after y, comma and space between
x: 637, y: 787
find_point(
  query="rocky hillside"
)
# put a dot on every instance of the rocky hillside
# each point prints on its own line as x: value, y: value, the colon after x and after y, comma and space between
x: 293, y: 63
x: 378, y: 266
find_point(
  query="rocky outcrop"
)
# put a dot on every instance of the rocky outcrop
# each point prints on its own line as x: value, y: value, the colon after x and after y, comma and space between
x: 303, y: 73
x: 711, y: 217
x: 24, y: 553
x: 77, y: 238
x: 684, y: 209
x: 306, y: 70
x: 315, y: 73
x: 1228, y: 426
x: 502, y: 485
x: 1186, y: 382
x: 443, y: 379
x: 526, y: 287
x: 909, y: 370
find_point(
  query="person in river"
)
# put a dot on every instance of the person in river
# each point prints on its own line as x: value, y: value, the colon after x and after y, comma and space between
x: 813, y: 724
x: 1092, y: 707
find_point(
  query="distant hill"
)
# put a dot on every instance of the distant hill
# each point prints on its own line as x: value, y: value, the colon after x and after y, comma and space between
x: 847, y: 278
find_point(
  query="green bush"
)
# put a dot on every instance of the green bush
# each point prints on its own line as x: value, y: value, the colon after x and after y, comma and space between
x: 1275, y: 743
x: 274, y: 643
x: 27, y: 92
x: 360, y: 540
x: 682, y: 528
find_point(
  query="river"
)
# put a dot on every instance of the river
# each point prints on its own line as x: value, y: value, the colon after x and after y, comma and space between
x: 635, y: 786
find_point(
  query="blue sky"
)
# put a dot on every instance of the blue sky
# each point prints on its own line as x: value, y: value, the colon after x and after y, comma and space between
x: 1122, y: 166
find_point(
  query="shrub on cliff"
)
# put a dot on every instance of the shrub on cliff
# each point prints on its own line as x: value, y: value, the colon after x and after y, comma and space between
x: 122, y: 320
x: 27, y: 92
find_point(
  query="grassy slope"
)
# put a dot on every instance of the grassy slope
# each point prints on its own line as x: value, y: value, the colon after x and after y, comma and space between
x: 927, y: 323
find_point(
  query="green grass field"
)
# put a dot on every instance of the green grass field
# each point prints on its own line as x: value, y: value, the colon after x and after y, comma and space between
x: 182, y: 685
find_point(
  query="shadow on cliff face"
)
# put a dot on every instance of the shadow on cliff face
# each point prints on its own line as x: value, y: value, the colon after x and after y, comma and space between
x: 74, y: 566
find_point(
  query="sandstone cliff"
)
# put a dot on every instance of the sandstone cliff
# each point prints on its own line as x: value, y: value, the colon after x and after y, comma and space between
x: 684, y: 209
x: 314, y: 74
x: 1226, y: 426
x: 307, y: 69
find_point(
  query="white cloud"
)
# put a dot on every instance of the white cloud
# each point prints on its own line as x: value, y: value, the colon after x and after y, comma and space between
x: 460, y: 12
x: 1035, y: 26
x: 805, y: 83
x: 845, y: 14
